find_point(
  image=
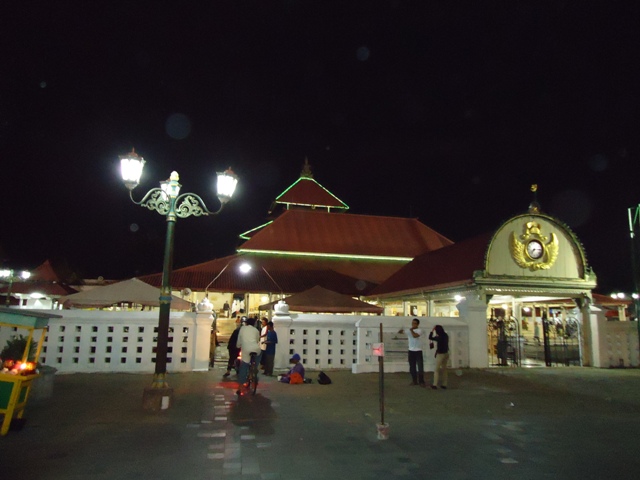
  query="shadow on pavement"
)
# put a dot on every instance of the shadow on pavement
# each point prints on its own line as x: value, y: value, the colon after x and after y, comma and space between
x: 255, y: 412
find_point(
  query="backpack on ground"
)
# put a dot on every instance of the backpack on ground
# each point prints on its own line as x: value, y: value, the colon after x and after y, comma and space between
x: 323, y: 379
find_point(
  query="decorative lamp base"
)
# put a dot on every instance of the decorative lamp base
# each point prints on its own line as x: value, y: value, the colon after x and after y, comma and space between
x: 383, y: 431
x: 157, y: 399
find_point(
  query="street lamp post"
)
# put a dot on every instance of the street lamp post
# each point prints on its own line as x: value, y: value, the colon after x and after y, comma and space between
x: 11, y: 276
x: 167, y: 200
x: 634, y: 229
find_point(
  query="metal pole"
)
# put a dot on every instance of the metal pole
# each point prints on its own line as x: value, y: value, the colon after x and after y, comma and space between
x: 159, y: 378
x: 634, y: 218
x: 7, y: 300
x: 381, y: 377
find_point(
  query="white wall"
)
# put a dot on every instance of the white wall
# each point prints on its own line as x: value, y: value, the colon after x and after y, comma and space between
x: 616, y: 343
x: 396, y: 344
x: 323, y: 341
x: 345, y: 341
x: 103, y: 341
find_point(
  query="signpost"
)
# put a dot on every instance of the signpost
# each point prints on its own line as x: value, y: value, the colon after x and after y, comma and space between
x: 378, y: 351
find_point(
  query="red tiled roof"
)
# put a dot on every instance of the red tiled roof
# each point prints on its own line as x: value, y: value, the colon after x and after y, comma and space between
x: 50, y: 289
x: 291, y: 274
x: 450, y: 265
x: 318, y: 299
x: 316, y: 232
x: 44, y: 280
x: 45, y: 273
x: 306, y: 191
x: 606, y: 300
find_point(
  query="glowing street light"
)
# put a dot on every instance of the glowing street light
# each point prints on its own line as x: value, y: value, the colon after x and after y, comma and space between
x: 167, y: 201
x: 246, y: 268
x: 11, y: 276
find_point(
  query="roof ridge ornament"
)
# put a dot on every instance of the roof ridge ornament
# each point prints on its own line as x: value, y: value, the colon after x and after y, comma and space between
x: 306, y: 169
x: 534, y: 206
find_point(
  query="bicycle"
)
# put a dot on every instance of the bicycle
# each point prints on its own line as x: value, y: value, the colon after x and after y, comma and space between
x: 252, y: 376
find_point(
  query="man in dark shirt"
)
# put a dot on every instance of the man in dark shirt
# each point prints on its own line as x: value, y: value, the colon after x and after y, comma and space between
x: 270, y: 350
x: 233, y: 348
x: 442, y: 356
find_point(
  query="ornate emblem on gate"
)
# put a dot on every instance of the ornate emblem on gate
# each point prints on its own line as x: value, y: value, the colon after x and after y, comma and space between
x: 533, y: 250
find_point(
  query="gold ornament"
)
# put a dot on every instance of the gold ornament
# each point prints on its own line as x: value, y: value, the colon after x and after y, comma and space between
x: 533, y: 250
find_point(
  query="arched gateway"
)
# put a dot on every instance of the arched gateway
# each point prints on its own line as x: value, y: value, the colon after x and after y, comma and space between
x: 532, y: 277
x: 537, y: 284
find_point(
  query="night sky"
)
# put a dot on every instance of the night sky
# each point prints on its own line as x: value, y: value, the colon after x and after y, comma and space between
x: 445, y: 111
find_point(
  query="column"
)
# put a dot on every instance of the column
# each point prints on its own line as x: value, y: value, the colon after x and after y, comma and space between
x: 473, y: 312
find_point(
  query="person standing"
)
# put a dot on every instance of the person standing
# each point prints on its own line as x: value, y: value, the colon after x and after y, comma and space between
x: 248, y: 342
x: 269, y: 352
x: 263, y: 339
x: 442, y: 356
x: 416, y: 360
x: 233, y: 348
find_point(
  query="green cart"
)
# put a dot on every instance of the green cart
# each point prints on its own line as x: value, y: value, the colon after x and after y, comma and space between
x: 15, y: 387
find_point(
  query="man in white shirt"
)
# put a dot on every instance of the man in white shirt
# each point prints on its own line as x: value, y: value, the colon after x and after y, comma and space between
x: 263, y: 340
x: 416, y: 361
x: 248, y: 342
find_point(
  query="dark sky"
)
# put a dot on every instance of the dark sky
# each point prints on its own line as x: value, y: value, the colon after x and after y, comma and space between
x: 444, y: 111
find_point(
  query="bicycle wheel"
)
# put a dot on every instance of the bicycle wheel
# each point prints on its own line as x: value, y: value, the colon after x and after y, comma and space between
x: 254, y: 378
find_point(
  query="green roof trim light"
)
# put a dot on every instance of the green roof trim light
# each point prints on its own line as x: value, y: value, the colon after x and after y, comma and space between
x: 329, y: 255
x: 344, y: 205
x: 246, y: 235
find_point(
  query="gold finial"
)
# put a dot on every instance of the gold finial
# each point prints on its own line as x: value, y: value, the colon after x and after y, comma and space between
x: 306, y: 170
x: 533, y: 227
x: 534, y: 206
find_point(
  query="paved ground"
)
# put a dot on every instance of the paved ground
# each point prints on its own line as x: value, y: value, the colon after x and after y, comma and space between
x: 511, y: 423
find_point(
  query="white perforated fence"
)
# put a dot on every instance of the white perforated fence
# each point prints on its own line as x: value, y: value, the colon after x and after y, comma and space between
x: 345, y: 341
x: 396, y: 344
x: 323, y: 341
x: 617, y: 343
x: 102, y: 341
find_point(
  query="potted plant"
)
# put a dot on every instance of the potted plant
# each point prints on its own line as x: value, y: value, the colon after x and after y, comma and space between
x: 13, y: 352
x: 15, y: 348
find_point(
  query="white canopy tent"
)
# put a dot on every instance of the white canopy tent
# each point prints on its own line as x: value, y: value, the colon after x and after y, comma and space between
x: 131, y: 291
